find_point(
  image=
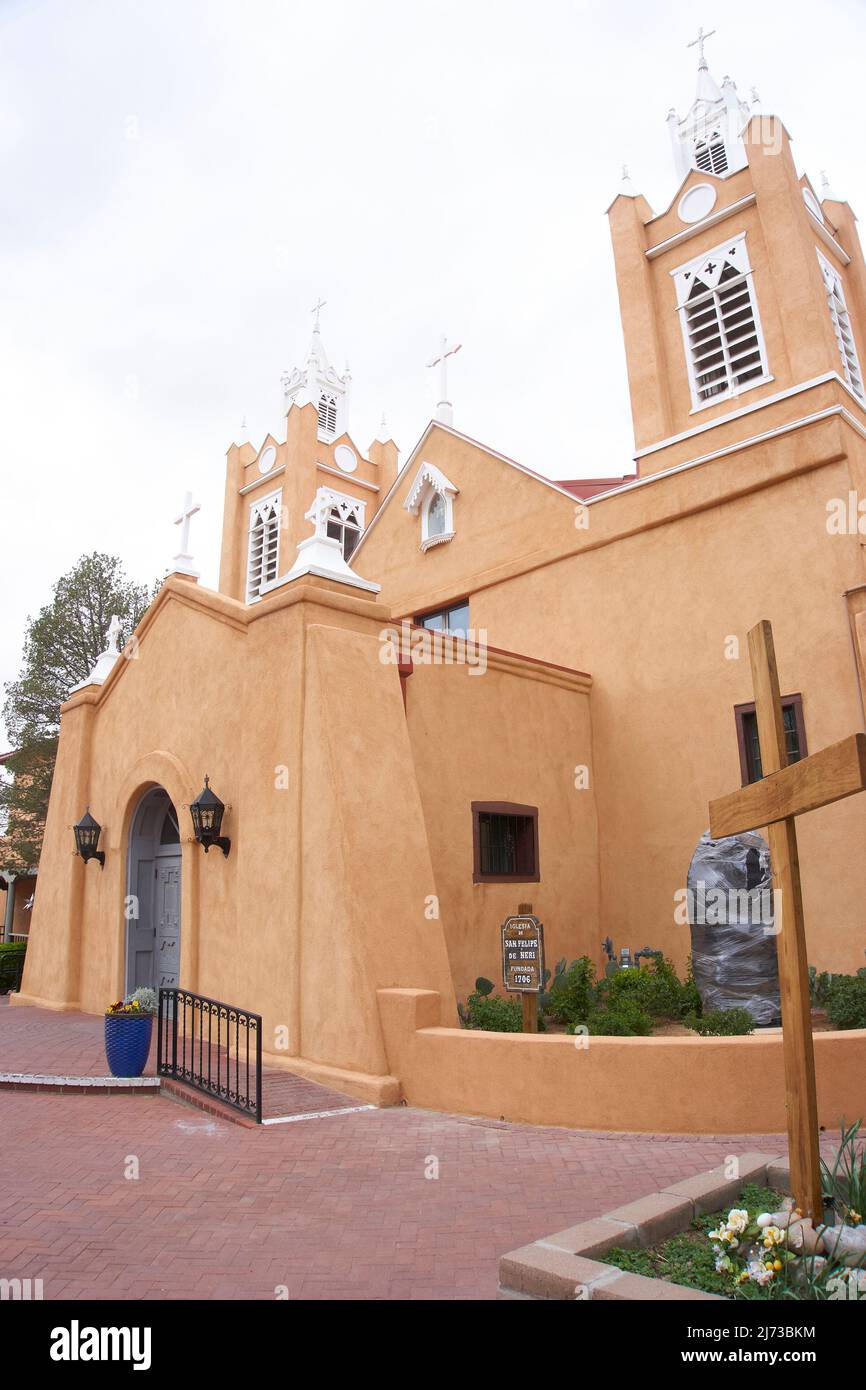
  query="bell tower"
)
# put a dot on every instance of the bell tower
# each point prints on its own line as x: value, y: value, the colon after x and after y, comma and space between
x: 315, y: 484
x: 709, y: 137
x: 318, y: 383
x: 743, y: 302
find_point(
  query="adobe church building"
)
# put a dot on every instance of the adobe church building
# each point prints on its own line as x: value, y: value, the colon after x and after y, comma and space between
x: 573, y: 689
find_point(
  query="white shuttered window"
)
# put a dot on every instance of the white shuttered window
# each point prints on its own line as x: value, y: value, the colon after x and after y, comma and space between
x: 264, y: 544
x: 842, y: 325
x: 724, y: 346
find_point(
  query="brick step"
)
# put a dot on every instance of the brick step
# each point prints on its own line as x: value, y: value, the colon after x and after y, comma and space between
x: 190, y: 1095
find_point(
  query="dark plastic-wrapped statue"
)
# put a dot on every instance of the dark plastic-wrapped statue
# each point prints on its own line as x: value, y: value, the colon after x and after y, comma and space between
x: 730, y: 903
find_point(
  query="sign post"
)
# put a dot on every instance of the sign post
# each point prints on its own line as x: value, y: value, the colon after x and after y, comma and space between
x: 523, y: 964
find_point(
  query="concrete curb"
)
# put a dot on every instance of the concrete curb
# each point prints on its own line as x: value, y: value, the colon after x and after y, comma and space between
x: 566, y: 1265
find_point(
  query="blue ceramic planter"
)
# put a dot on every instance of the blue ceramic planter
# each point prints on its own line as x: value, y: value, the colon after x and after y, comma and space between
x: 127, y: 1043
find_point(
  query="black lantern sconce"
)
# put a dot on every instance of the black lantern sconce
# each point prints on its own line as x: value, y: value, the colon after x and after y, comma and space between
x: 87, y: 832
x: 207, y: 817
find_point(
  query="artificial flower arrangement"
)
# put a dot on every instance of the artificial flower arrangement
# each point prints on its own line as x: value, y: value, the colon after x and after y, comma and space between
x: 750, y: 1248
x: 755, y: 1249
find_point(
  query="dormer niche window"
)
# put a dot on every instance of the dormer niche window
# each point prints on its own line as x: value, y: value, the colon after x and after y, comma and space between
x: 431, y: 499
x: 338, y: 517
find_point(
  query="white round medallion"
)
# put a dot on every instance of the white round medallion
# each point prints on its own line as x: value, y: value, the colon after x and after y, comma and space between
x: 267, y: 459
x: 345, y: 458
x: 697, y: 202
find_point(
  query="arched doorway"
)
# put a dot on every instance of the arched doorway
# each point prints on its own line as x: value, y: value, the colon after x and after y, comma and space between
x: 153, y: 889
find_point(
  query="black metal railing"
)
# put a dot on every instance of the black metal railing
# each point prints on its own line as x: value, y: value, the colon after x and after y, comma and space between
x: 215, y: 1047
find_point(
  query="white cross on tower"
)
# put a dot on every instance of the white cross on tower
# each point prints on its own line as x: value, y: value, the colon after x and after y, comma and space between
x: 315, y: 310
x: 700, y: 41
x: 182, y: 562
x: 444, y: 410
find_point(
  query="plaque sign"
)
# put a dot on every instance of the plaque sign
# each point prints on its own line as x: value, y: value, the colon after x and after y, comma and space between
x: 523, y: 955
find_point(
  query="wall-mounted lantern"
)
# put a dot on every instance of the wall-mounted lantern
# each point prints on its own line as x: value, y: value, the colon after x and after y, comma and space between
x: 87, y: 832
x: 207, y: 817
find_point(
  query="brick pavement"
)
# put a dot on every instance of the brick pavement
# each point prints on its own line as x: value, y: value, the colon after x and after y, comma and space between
x: 331, y: 1208
x: 71, y: 1044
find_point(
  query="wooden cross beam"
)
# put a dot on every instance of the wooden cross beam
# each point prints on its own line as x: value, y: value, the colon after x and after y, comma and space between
x: 784, y: 793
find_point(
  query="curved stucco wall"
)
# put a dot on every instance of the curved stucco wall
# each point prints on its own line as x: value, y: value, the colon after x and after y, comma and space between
x: 663, y: 1085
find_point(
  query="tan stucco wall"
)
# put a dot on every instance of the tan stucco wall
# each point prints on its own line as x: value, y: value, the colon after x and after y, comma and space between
x: 343, y: 816
x: 645, y: 598
x: 657, y: 1085
x: 509, y: 735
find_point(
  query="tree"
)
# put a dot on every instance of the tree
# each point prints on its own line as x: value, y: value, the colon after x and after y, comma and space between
x: 61, y: 645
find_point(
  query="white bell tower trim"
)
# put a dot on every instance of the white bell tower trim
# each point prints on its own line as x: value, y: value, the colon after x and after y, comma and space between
x: 318, y: 383
x: 709, y: 136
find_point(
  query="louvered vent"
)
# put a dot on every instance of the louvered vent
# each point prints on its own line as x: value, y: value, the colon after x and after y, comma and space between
x: 722, y: 335
x: 264, y: 546
x: 328, y: 415
x: 842, y: 326
x: 711, y: 157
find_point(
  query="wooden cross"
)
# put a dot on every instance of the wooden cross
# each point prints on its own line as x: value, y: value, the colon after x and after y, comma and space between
x: 784, y: 793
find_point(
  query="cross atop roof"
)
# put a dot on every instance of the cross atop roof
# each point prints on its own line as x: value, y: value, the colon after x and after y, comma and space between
x: 700, y: 41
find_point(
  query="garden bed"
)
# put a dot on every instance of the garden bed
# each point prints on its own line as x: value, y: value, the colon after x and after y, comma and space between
x: 712, y: 1236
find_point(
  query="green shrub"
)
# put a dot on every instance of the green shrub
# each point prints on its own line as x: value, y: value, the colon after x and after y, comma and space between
x: 690, y: 999
x: 572, y: 996
x: 819, y: 984
x: 722, y: 1023
x: 846, y: 1001
x: 625, y: 1019
x: 11, y: 964
x: 845, y: 1180
x: 657, y: 989
x: 493, y: 1014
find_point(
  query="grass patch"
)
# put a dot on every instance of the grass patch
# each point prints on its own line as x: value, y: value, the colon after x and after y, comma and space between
x: 688, y: 1258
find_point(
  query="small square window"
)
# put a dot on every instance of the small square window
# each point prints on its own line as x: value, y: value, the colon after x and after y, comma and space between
x: 505, y: 842
x: 454, y: 619
x: 747, y: 736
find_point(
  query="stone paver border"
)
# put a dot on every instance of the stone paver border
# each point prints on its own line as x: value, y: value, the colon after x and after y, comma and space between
x: 566, y: 1265
x: 86, y: 1085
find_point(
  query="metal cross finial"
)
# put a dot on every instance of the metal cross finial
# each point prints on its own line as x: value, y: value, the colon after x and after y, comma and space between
x: 315, y: 310
x: 700, y: 41
x: 443, y: 406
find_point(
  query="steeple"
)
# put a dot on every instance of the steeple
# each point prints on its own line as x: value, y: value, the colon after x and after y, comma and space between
x: 709, y: 136
x: 318, y: 383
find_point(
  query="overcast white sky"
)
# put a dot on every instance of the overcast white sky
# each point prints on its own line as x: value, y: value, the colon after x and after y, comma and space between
x: 182, y: 179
